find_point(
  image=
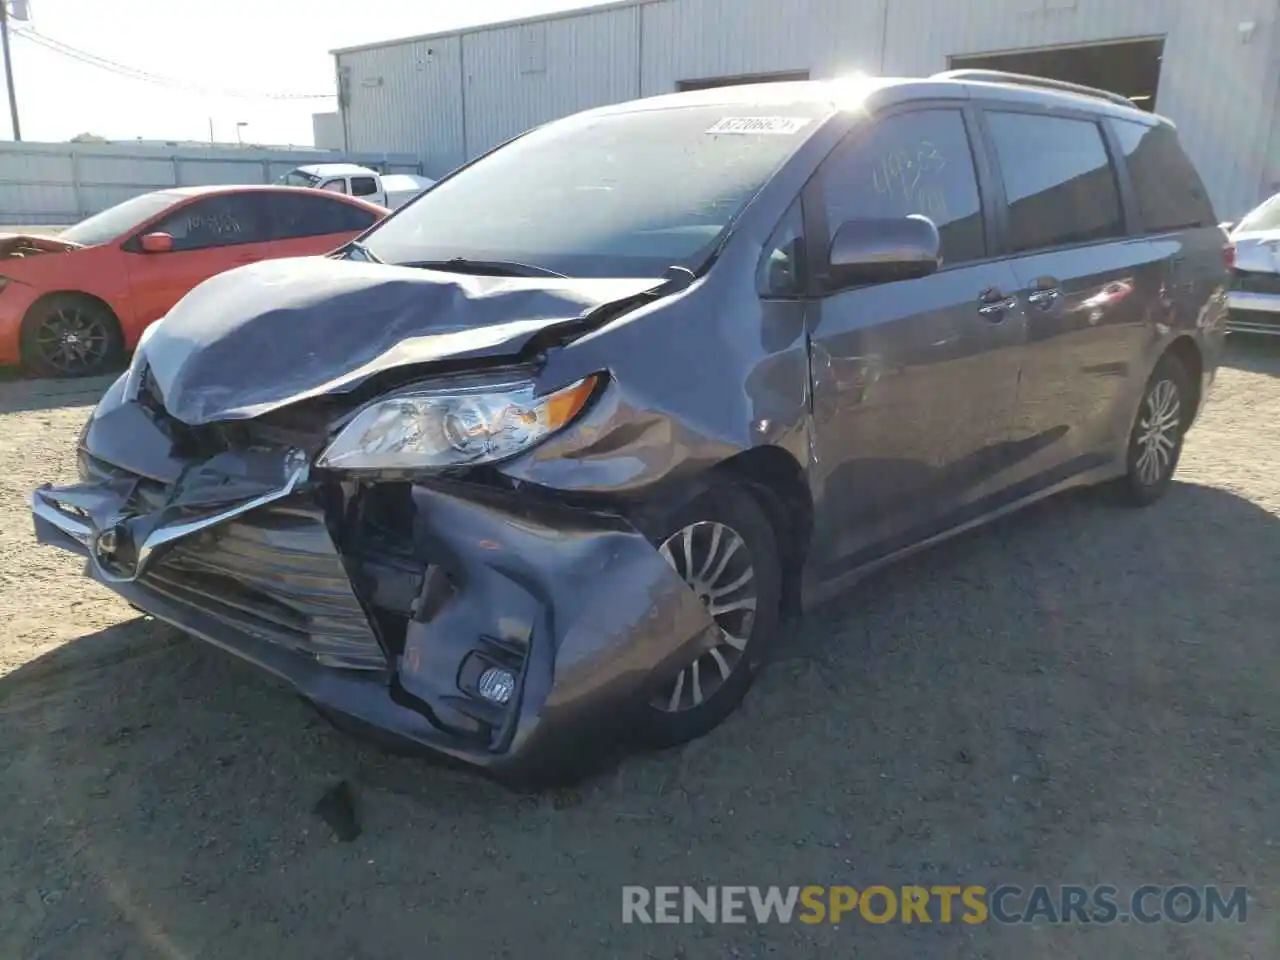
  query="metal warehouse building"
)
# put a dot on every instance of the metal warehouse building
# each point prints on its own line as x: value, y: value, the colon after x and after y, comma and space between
x: 1213, y: 66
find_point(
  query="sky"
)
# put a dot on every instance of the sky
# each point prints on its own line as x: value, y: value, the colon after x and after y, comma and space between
x: 212, y: 47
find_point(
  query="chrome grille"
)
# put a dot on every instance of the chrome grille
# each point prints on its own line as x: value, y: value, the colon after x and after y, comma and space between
x: 276, y: 575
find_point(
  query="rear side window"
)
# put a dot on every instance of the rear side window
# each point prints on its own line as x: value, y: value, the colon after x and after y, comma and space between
x: 1057, y: 179
x: 1171, y: 195
x: 307, y: 215
x: 917, y: 162
x: 363, y: 186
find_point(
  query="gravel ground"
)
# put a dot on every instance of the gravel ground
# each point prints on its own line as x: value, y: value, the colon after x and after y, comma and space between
x: 1079, y: 694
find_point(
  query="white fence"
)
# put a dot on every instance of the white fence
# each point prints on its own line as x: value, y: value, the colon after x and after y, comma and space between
x: 56, y: 183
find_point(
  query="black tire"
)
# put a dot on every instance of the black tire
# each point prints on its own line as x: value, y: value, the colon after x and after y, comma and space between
x: 1143, y: 484
x: 735, y: 508
x: 69, y: 335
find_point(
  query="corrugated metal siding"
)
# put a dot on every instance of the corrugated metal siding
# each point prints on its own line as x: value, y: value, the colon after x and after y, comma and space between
x: 408, y: 99
x: 519, y: 77
x: 1220, y: 92
x: 61, y: 183
x: 1210, y: 81
x: 921, y: 34
x: 36, y: 182
x: 706, y: 39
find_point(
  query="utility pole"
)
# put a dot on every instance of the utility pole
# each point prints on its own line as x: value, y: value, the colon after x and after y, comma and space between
x: 8, y: 68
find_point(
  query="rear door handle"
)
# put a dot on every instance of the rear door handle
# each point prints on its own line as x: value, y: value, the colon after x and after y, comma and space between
x: 1044, y: 292
x: 1044, y: 299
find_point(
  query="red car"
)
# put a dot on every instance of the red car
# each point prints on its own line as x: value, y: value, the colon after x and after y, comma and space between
x: 76, y: 303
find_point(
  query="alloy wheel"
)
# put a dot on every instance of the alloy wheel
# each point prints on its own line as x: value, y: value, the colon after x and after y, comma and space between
x: 713, y: 559
x: 73, y: 340
x: 1157, y: 435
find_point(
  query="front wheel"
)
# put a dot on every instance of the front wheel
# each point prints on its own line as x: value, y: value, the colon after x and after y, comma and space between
x: 1155, y: 442
x: 71, y: 336
x: 723, y: 546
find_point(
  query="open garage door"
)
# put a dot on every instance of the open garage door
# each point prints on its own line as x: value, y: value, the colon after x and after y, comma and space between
x: 1127, y: 67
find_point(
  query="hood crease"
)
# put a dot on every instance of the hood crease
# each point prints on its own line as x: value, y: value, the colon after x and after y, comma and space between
x: 268, y: 335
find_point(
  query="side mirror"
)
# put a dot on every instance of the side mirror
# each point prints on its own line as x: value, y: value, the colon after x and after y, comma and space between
x: 883, y: 250
x: 157, y: 243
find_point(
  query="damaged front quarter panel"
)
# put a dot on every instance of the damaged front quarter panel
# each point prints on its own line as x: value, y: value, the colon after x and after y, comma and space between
x: 737, y: 384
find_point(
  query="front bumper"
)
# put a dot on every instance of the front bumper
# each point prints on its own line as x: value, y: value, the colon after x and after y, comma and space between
x: 15, y: 300
x: 578, y: 605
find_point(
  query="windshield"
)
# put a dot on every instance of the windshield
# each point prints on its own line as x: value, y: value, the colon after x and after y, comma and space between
x: 618, y: 195
x: 1265, y: 217
x: 120, y: 219
x: 296, y: 178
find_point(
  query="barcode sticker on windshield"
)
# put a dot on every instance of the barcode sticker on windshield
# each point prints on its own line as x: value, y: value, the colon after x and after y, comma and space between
x: 778, y: 126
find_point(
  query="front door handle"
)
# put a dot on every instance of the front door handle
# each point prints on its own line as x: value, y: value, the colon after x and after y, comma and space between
x: 994, y: 305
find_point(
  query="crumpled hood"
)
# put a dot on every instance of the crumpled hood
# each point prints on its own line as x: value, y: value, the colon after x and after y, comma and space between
x: 267, y: 335
x: 33, y: 244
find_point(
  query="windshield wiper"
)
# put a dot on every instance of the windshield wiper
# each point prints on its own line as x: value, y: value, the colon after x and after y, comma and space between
x: 359, y: 248
x: 492, y: 268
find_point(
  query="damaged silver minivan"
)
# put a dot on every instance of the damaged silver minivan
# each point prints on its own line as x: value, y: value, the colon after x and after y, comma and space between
x: 543, y: 460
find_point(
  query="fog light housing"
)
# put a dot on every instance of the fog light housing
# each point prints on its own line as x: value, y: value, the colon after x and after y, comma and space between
x: 497, y: 685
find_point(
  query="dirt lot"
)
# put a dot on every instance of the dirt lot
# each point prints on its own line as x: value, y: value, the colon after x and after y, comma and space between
x: 1079, y: 694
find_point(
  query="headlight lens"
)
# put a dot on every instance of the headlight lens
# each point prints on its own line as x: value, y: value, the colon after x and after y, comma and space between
x: 446, y: 428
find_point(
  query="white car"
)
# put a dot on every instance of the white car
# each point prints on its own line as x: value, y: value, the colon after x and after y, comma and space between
x: 390, y: 190
x: 1254, y: 298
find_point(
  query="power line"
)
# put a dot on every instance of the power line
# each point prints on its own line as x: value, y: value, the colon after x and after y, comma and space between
x: 145, y: 76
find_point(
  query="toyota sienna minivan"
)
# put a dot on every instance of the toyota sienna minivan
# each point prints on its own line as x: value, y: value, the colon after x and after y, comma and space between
x: 543, y: 460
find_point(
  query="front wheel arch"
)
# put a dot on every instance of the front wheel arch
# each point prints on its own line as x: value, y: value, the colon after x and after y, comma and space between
x: 1187, y: 352
x: 776, y: 480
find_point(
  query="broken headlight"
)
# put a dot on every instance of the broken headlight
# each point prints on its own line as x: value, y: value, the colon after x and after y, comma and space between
x: 453, y: 427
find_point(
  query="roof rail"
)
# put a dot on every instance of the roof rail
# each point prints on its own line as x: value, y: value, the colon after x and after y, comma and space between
x: 1025, y: 80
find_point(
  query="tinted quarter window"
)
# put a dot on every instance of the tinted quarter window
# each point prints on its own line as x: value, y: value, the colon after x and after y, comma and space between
x: 1171, y: 195
x: 363, y: 186
x: 910, y: 163
x: 307, y: 215
x: 1058, y: 180
x: 220, y: 221
x: 782, y: 268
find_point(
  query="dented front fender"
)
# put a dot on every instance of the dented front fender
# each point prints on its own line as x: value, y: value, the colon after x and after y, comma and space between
x: 580, y: 605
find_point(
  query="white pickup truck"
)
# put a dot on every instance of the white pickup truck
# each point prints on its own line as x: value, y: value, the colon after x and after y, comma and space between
x: 390, y: 190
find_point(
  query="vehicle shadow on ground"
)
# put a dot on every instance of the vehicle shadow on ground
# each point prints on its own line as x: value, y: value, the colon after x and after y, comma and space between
x: 1254, y: 354
x: 1078, y: 694
x: 19, y: 395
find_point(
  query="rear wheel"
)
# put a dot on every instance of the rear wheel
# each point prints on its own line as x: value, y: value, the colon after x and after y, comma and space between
x: 723, y: 546
x: 71, y: 336
x: 1155, y: 442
